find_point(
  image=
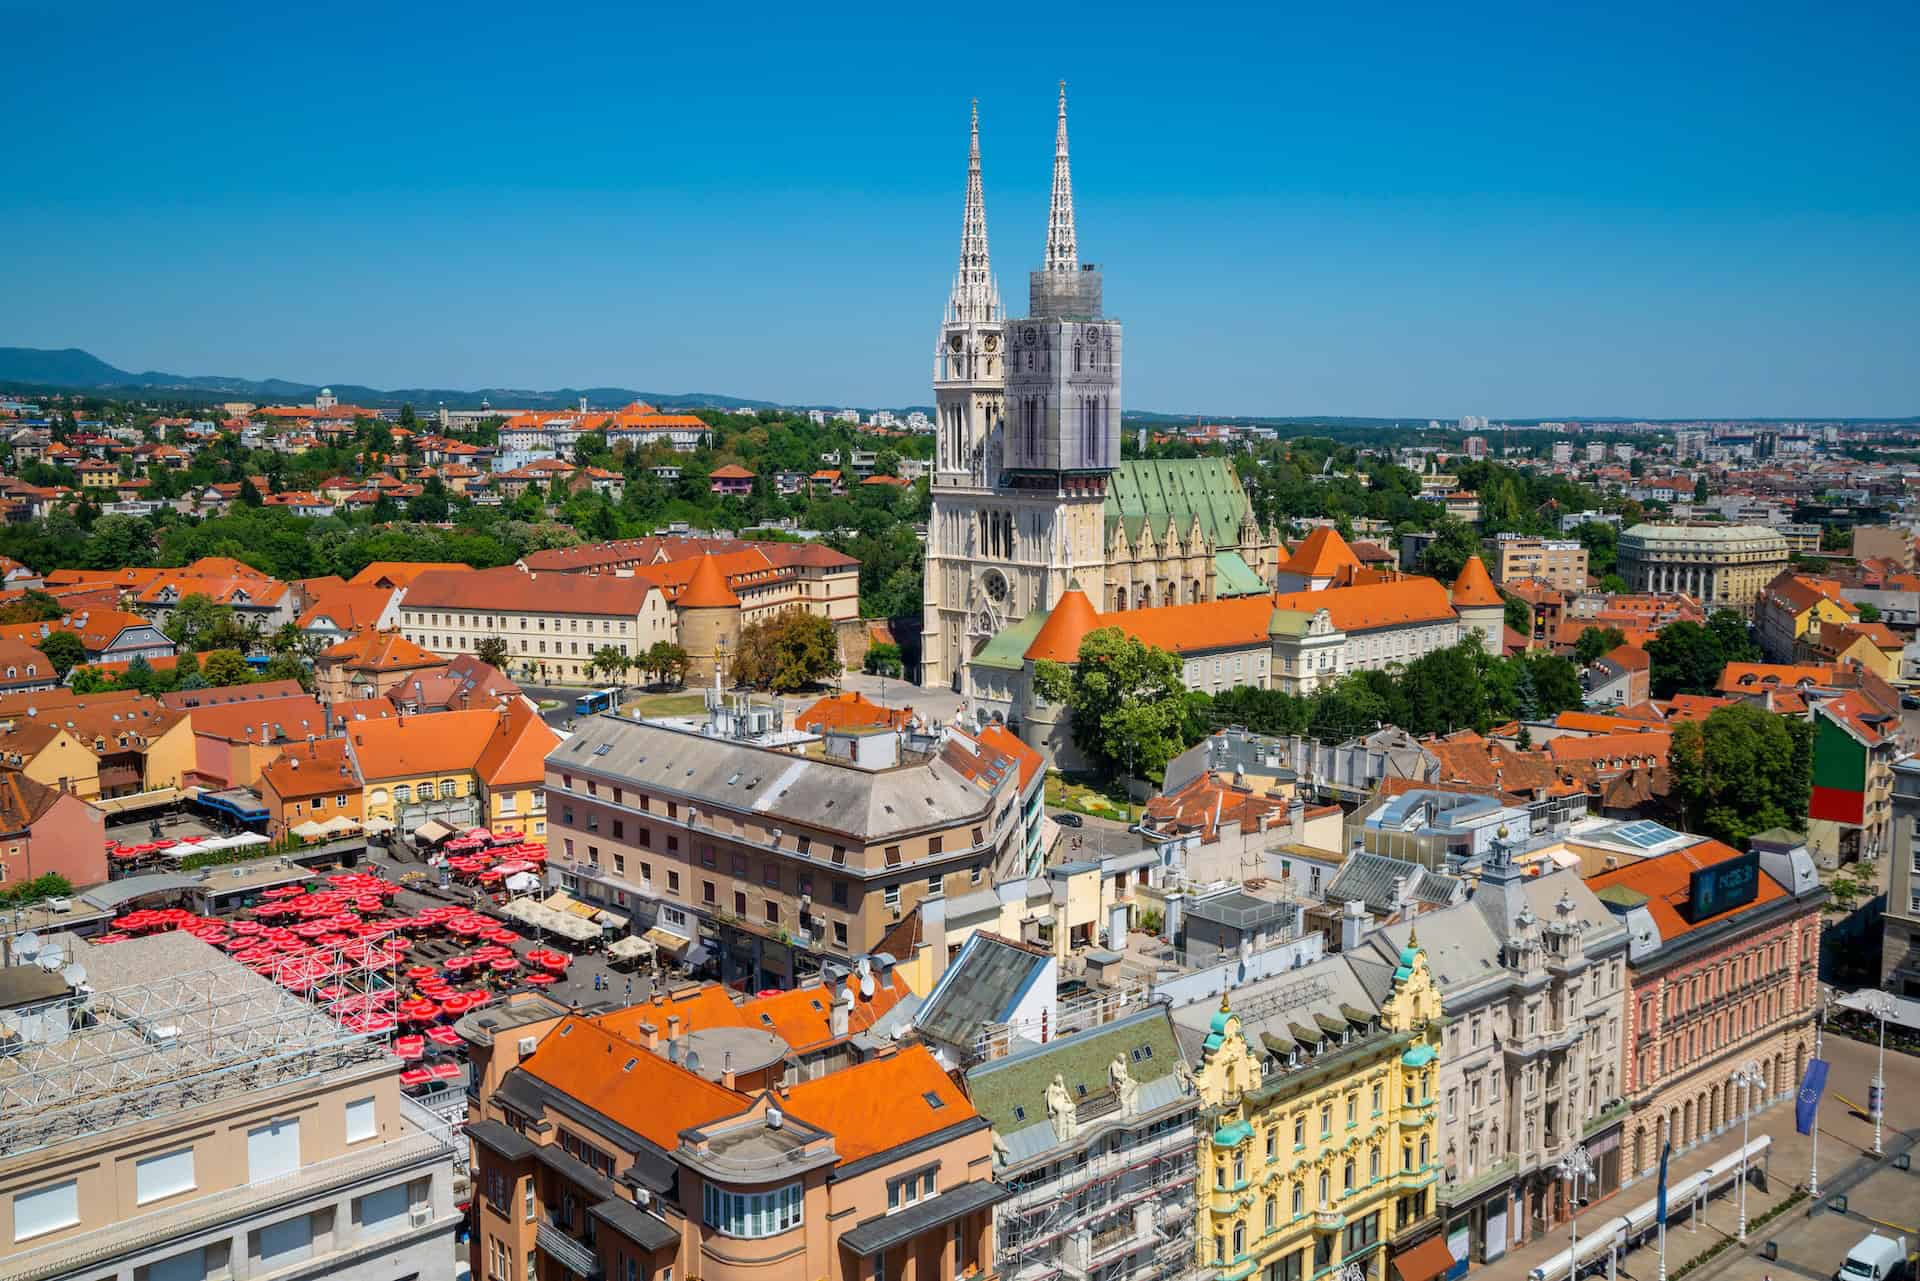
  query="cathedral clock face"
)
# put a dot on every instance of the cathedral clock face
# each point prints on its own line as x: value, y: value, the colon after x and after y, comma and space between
x: 955, y: 341
x: 993, y: 342
x: 1031, y: 335
x: 1093, y: 335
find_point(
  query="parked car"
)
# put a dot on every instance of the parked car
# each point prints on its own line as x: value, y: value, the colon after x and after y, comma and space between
x: 1066, y: 818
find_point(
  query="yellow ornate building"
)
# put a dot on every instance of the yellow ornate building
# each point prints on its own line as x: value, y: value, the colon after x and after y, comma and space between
x: 1318, y: 1150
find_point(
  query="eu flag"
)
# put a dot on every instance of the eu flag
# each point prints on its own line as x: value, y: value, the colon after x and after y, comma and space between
x: 1660, y: 1198
x: 1808, y: 1101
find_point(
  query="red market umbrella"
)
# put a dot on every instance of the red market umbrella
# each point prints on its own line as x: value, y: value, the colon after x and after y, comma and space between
x: 539, y: 980
x: 504, y: 965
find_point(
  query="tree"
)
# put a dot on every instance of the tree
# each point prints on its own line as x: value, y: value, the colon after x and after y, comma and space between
x: 33, y: 607
x: 225, y: 667
x: 791, y: 650
x: 1595, y: 642
x: 667, y: 661
x: 286, y: 639
x: 1448, y: 554
x: 1869, y: 612
x: 1614, y: 585
x: 492, y: 650
x: 883, y: 659
x: 1741, y: 771
x: 612, y: 660
x: 1684, y: 659
x: 1519, y: 616
x: 1700, y: 493
x: 64, y: 650
x: 288, y: 667
x: 200, y: 623
x: 1128, y: 703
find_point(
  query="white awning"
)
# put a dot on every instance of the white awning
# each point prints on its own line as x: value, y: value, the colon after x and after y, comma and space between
x: 630, y: 948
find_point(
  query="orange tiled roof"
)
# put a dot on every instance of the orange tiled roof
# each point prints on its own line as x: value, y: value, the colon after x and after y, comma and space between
x: 262, y: 721
x: 1208, y: 803
x: 1474, y: 586
x: 1001, y: 740
x: 1865, y: 719
x: 1323, y: 554
x: 730, y: 471
x: 850, y: 710
x: 1751, y: 678
x: 653, y: 1098
x: 1370, y: 605
x: 707, y: 588
x: 400, y: 573
x: 1607, y: 747
x: 1071, y: 618
x: 370, y: 650
x: 1665, y: 880
x: 843, y: 1103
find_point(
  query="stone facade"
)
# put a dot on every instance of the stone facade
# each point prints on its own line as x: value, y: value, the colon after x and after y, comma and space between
x: 1900, y: 961
x: 1722, y: 566
x: 1028, y: 489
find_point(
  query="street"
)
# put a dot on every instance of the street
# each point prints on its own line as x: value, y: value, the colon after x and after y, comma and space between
x: 1811, y: 1245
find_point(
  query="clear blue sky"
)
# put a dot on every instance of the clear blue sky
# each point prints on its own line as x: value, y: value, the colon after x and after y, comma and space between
x: 1669, y: 209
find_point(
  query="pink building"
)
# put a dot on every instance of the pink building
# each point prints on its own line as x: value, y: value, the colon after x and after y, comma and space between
x: 732, y: 481
x: 47, y: 831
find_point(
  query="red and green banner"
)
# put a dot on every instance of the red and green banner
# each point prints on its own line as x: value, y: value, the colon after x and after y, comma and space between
x: 1839, y: 774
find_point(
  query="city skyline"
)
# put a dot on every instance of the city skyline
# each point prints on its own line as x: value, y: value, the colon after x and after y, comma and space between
x: 1400, y: 220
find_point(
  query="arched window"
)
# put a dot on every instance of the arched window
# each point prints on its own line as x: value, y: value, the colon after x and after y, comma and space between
x: 403, y: 794
x: 1346, y: 1177
x: 1325, y: 1199
x: 1239, y: 1239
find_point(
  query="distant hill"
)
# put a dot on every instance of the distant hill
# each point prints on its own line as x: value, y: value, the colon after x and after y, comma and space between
x: 71, y: 369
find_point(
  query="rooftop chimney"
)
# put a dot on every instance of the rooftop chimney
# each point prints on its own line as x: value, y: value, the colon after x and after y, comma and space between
x: 673, y: 1027
x: 1353, y: 924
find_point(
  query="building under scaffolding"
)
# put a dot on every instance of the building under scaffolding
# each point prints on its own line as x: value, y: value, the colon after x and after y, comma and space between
x: 167, y: 1113
x: 1094, y: 1135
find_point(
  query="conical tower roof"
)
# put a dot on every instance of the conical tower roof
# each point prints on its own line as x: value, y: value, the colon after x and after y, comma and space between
x: 707, y: 589
x: 1322, y: 555
x: 1063, y: 247
x: 1475, y: 586
x: 1072, y: 618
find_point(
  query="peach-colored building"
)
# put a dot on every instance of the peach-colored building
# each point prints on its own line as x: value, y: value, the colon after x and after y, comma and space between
x: 644, y: 1143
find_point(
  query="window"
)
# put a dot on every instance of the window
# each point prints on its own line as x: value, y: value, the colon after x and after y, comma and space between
x: 892, y: 898
x: 1299, y: 1199
x: 526, y: 1201
x: 840, y: 934
x: 46, y: 1209
x: 1273, y: 1145
x: 383, y: 1209
x: 1373, y: 1164
x: 740, y: 903
x: 1453, y: 1104
x: 911, y: 1190
x: 1362, y: 1234
x: 1326, y: 1120
x: 773, y: 912
x: 273, y: 1149
x: 1299, y: 1131
x: 279, y: 1244
x: 164, y: 1176
x: 361, y: 1122
x: 403, y: 794
x: 753, y: 1214
x: 706, y: 892
x: 893, y: 856
x: 839, y: 893
x: 1286, y: 1269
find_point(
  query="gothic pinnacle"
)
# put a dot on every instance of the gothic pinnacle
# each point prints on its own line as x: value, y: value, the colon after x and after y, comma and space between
x: 975, y: 297
x: 1063, y: 251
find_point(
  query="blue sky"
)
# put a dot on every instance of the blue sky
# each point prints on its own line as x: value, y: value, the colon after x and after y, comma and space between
x: 1414, y: 210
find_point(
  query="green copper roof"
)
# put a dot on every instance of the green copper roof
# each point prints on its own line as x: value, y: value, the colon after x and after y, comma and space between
x: 1289, y: 622
x: 1150, y: 491
x: 1000, y: 1086
x: 1234, y: 577
x: 1008, y: 648
x: 1232, y: 1134
x: 1417, y: 1056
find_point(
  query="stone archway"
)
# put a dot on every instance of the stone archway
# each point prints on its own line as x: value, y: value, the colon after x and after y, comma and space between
x: 1686, y: 1128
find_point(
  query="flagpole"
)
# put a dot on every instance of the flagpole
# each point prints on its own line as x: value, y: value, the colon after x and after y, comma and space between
x: 1663, y: 1218
x: 1813, y: 1175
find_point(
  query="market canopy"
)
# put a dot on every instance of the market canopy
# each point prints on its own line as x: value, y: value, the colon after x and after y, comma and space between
x: 1900, y: 1010
x: 431, y: 831
x: 630, y: 948
x: 540, y: 916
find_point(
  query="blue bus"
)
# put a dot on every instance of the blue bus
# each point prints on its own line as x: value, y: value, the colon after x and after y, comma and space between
x: 601, y: 700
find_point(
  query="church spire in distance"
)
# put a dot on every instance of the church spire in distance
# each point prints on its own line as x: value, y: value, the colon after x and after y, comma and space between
x: 1063, y: 253
x: 975, y: 297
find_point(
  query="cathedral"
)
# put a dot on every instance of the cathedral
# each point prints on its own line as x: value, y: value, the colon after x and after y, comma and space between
x: 1029, y: 492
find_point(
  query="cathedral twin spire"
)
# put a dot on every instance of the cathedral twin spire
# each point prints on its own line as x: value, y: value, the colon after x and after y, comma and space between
x: 1063, y: 254
x: 975, y: 297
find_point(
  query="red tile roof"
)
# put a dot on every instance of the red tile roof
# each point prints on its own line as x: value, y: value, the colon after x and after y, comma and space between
x: 1666, y: 878
x: 1474, y: 586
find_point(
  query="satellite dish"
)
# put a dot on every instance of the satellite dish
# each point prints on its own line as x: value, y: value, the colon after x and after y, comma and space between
x: 52, y: 959
x: 28, y: 945
x: 74, y: 974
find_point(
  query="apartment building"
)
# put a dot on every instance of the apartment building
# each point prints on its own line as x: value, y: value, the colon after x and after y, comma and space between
x: 1532, y: 975
x: 553, y: 623
x: 1560, y: 563
x: 1723, y: 972
x: 631, y: 1145
x: 1099, y: 1168
x: 203, y: 1123
x: 1318, y: 1147
x: 773, y: 861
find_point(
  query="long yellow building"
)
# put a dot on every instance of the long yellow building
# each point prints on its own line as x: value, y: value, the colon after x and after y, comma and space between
x: 1318, y: 1150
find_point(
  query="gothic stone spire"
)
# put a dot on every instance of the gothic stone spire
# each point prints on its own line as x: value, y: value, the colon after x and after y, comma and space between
x: 1063, y: 253
x: 975, y: 297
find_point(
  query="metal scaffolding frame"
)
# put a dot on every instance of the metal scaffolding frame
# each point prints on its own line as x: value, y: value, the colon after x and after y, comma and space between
x: 99, y: 1058
x: 1028, y: 1222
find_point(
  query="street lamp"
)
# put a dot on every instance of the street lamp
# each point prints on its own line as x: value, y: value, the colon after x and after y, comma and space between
x: 1574, y: 1166
x: 1880, y: 1004
x: 1748, y: 1079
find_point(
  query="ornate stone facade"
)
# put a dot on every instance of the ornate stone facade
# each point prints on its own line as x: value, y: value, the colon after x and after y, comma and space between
x: 1722, y: 566
x: 1028, y: 488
